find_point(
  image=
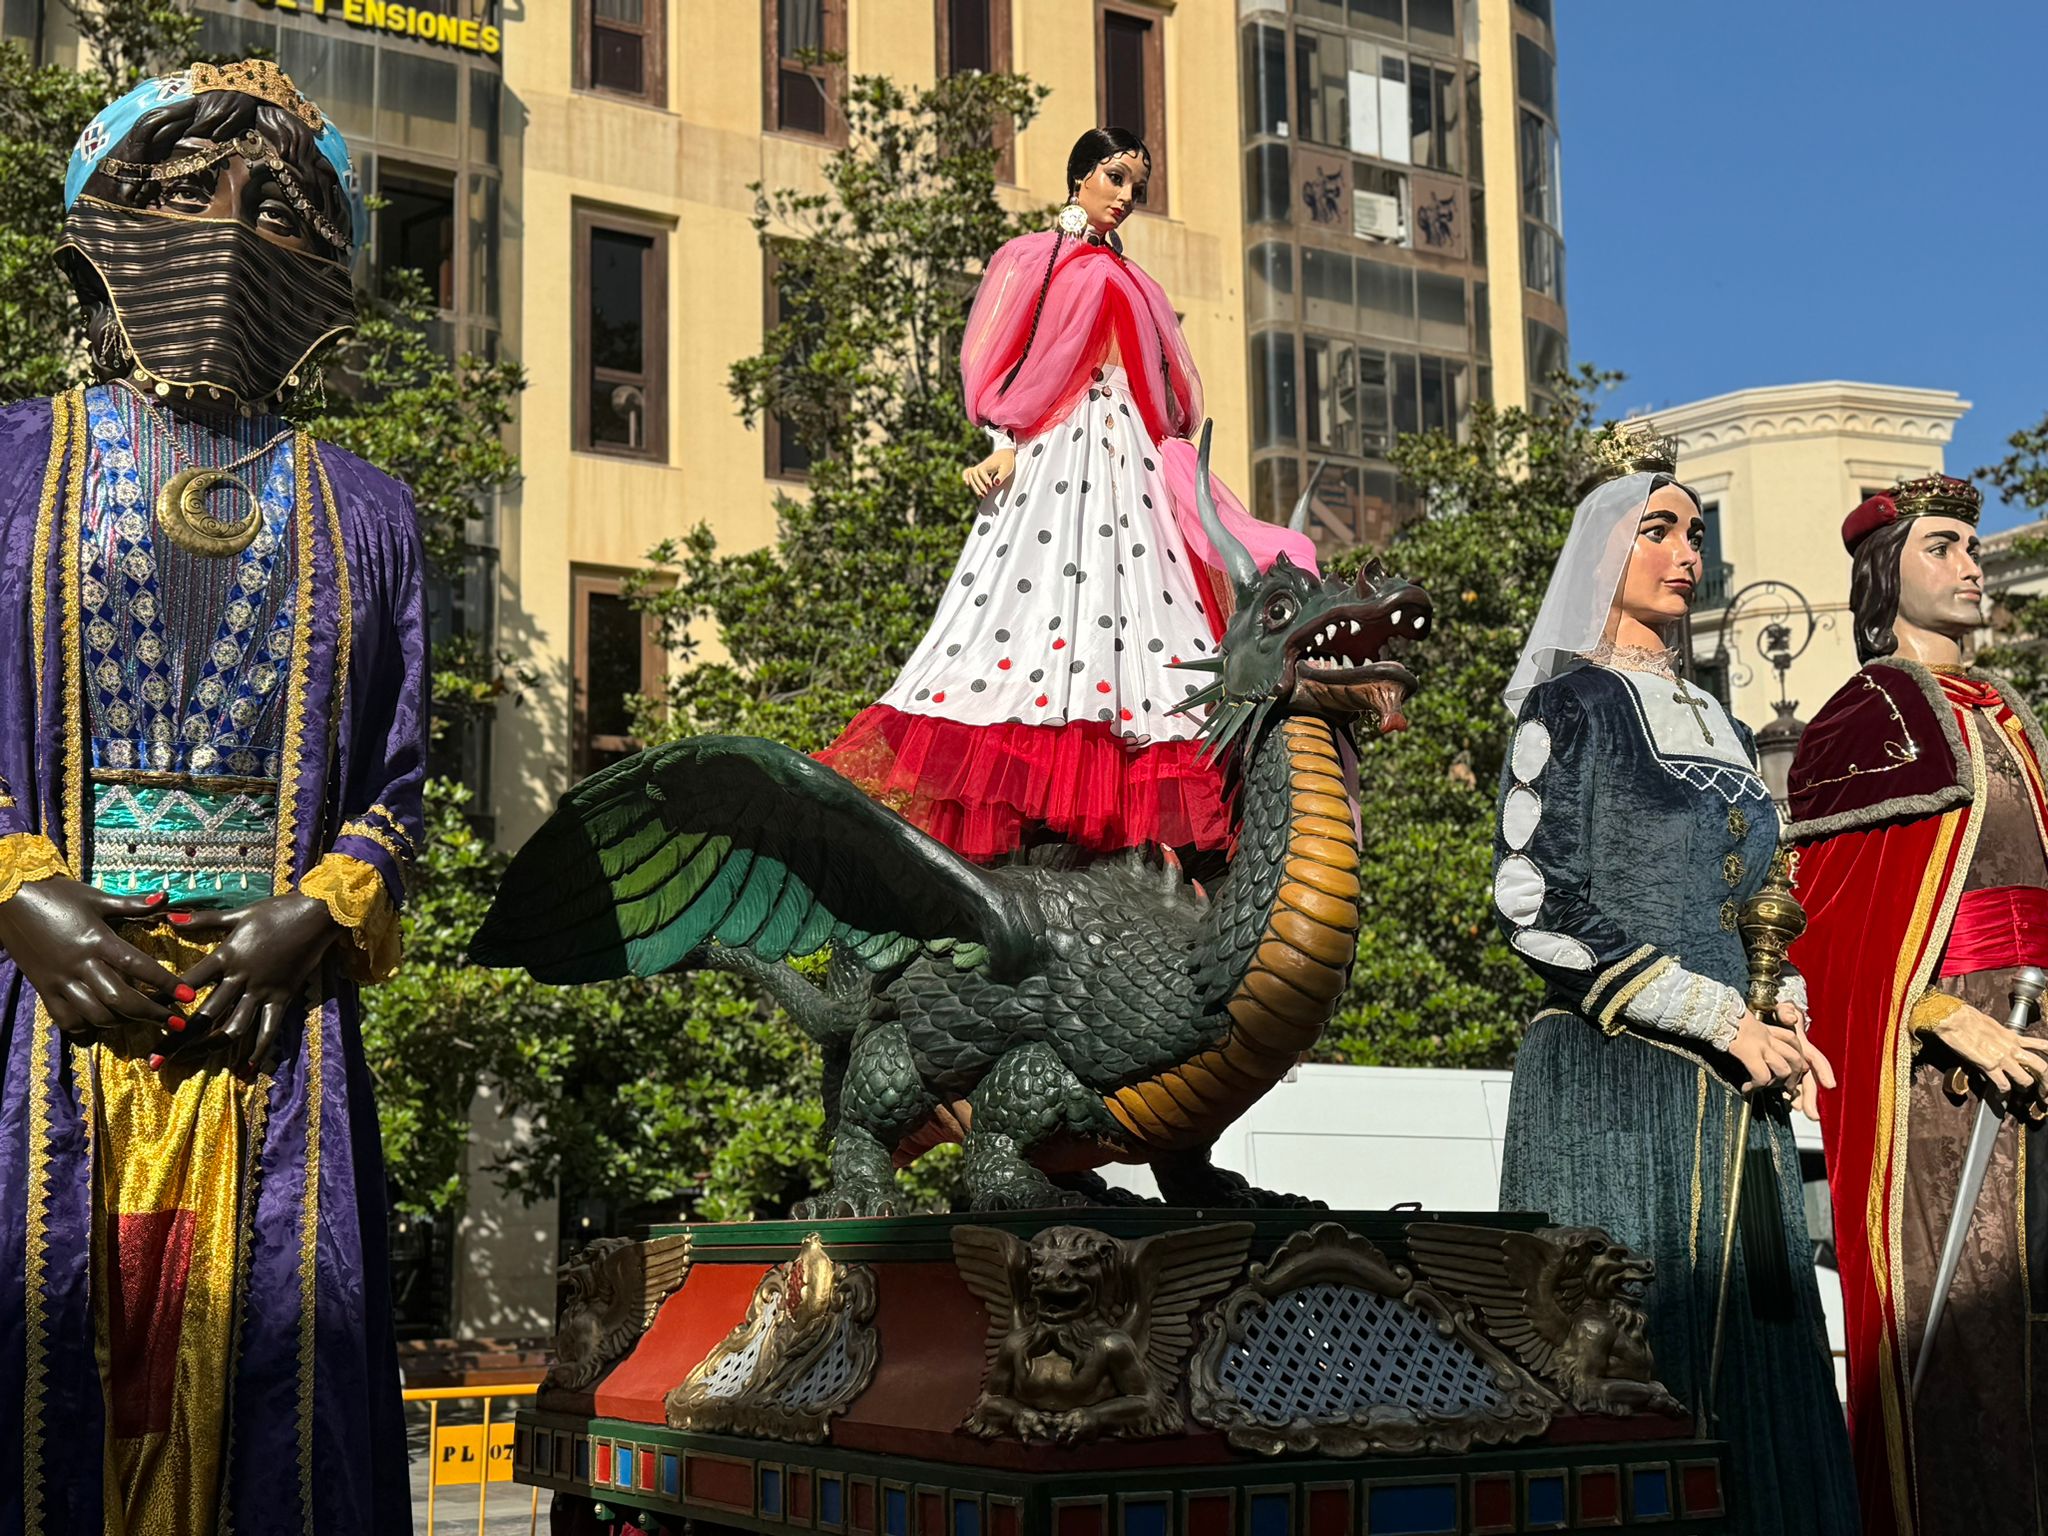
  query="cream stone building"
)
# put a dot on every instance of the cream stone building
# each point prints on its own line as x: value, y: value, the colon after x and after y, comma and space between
x: 1777, y: 469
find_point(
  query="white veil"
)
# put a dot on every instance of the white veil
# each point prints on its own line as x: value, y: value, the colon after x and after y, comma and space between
x: 1580, y: 598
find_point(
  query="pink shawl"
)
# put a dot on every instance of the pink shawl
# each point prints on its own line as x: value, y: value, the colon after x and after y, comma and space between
x: 1095, y: 295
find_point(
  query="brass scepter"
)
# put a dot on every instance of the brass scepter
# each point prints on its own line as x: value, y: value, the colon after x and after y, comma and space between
x: 1768, y: 922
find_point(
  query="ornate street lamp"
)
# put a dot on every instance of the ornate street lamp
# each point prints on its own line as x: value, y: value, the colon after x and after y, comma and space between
x: 1780, y: 607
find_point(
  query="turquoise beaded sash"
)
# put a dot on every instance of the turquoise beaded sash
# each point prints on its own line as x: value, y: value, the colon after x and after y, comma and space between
x: 206, y: 847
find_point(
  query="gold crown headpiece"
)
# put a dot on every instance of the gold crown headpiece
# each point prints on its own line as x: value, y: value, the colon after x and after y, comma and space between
x: 259, y: 78
x: 1938, y: 496
x: 1626, y: 448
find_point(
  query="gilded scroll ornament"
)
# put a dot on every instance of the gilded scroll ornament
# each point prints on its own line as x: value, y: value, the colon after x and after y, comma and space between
x: 610, y: 1292
x: 1334, y: 1349
x: 806, y: 1349
x: 1087, y: 1333
x: 1567, y: 1300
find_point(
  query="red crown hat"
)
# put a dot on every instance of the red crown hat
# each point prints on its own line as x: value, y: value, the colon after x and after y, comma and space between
x: 1928, y: 496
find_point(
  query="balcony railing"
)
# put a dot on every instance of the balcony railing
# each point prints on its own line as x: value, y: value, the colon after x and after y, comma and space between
x: 1717, y: 585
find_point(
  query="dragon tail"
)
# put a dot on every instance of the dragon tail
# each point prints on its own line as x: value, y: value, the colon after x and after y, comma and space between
x: 826, y: 1020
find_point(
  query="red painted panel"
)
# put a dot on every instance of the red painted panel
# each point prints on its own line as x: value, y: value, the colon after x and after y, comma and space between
x: 1329, y: 1512
x: 645, y: 1480
x: 931, y: 1331
x: 800, y: 1494
x: 712, y: 1302
x: 151, y: 1258
x: 603, y: 1469
x: 1701, y: 1491
x: 716, y: 1480
x: 1002, y: 1520
x: 1599, y: 1498
x: 1209, y: 1514
x: 861, y: 1498
x: 1493, y: 1503
x: 931, y: 1514
x: 1081, y: 1520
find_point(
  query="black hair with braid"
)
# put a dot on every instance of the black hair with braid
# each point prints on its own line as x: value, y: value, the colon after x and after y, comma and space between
x: 1092, y: 149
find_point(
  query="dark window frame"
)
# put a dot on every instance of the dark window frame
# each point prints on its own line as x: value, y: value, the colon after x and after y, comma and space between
x: 653, y: 36
x: 774, y: 465
x: 1155, y: 131
x: 1001, y: 60
x: 828, y: 78
x: 586, y: 582
x: 653, y: 379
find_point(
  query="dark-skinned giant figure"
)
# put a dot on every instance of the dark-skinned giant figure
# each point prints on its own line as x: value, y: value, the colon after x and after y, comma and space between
x: 212, y: 699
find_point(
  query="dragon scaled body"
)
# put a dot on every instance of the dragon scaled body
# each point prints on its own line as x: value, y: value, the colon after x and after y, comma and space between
x: 1050, y: 1019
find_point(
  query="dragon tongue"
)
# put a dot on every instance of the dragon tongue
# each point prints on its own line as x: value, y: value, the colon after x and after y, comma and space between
x: 1386, y: 697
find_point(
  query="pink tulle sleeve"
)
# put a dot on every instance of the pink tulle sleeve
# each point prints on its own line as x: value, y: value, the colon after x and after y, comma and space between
x: 999, y: 321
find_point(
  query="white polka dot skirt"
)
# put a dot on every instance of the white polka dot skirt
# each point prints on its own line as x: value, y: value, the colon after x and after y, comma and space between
x: 1075, y: 596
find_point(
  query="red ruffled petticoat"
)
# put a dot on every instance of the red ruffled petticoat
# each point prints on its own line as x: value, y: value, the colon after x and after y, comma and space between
x: 978, y: 788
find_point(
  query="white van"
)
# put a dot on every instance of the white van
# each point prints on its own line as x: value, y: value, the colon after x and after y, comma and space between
x: 1371, y: 1138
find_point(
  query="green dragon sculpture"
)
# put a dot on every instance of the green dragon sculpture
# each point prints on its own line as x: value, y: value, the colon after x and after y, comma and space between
x: 1050, y: 1019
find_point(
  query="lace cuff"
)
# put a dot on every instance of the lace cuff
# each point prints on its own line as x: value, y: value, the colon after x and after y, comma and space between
x: 27, y: 856
x: 1688, y: 1005
x: 1932, y: 1011
x: 999, y: 439
x: 356, y: 899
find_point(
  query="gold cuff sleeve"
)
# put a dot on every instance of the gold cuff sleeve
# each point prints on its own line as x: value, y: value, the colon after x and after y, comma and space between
x: 356, y: 898
x: 26, y: 856
x: 1932, y: 1011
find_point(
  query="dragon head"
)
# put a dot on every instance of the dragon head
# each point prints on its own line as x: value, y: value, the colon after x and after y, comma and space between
x: 1599, y: 1268
x: 1298, y: 642
x: 1074, y: 1273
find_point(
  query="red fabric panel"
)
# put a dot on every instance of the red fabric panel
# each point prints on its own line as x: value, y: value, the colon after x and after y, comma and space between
x: 976, y: 788
x: 151, y: 1257
x: 712, y: 1302
x: 1997, y: 926
x: 1870, y: 897
x: 1862, y: 724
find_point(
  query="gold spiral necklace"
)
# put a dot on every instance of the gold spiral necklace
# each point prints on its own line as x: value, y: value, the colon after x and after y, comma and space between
x: 181, y: 502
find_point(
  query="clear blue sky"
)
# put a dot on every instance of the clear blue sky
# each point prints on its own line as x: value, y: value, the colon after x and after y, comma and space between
x: 1780, y: 191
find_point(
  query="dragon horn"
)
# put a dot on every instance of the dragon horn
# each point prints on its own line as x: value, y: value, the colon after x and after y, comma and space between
x: 1238, y: 563
x: 1298, y: 523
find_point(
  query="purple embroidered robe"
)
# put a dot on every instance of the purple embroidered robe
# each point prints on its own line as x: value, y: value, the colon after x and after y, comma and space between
x: 314, y: 1434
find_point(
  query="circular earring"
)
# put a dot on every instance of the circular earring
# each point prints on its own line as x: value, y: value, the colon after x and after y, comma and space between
x: 1073, y: 221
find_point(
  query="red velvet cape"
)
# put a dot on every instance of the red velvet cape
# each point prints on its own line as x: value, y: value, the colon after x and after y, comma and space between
x: 1880, y: 886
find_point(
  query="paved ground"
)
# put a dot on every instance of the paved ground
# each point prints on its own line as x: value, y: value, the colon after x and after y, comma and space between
x: 509, y: 1510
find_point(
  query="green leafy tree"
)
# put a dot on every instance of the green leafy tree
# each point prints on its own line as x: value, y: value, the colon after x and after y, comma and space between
x: 864, y: 371
x: 43, y: 110
x: 2021, y: 649
x: 1435, y: 985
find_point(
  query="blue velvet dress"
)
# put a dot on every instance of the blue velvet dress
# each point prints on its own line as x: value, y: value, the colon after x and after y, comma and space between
x: 1633, y: 824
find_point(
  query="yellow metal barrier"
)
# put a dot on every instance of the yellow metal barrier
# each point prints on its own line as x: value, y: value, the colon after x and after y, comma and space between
x: 471, y: 1454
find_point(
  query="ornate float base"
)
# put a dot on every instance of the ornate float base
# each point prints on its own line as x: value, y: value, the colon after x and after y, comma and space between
x: 1114, y: 1373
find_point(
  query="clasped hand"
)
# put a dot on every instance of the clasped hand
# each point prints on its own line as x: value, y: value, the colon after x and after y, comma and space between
x: 64, y: 936
x: 2010, y: 1062
x: 990, y: 472
x: 1778, y: 1055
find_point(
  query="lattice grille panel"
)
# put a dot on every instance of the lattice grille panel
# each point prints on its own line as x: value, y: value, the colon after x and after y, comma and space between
x: 737, y: 1369
x: 828, y: 1376
x: 1326, y: 1352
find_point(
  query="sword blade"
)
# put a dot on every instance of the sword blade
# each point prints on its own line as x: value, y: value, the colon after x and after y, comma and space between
x: 1976, y: 1161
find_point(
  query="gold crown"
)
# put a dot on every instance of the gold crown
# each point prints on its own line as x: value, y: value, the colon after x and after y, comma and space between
x: 1938, y: 496
x: 1625, y: 448
x: 259, y: 78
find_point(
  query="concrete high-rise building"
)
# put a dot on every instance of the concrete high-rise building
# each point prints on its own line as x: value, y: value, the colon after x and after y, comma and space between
x: 1404, y: 235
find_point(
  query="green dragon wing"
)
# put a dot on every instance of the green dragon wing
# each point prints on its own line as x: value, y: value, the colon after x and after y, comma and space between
x: 740, y: 842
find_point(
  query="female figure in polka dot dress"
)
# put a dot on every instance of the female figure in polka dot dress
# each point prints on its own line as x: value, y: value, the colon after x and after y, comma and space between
x: 1039, y: 704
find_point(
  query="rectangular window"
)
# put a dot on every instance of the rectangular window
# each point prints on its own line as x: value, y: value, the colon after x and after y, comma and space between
x: 1386, y: 299
x: 1270, y: 293
x: 1375, y: 403
x: 1433, y: 24
x: 617, y: 655
x: 1273, y: 399
x: 620, y: 49
x: 1321, y: 88
x: 1542, y: 162
x: 416, y: 228
x: 974, y: 38
x: 1383, y: 16
x: 1326, y: 289
x: 621, y: 337
x: 1547, y: 354
x: 339, y: 74
x: 416, y: 99
x: 1268, y: 194
x: 1330, y: 391
x: 1535, y: 77
x: 1276, y: 484
x: 1265, y: 81
x: 1435, y: 137
x: 1542, y: 261
x: 789, y: 458
x: 1440, y: 305
x: 802, y: 88
x: 1130, y: 87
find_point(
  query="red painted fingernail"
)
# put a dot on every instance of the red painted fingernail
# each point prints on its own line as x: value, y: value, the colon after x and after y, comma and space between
x: 181, y: 918
x: 154, y: 898
x: 183, y: 993
x: 175, y: 1024
x: 156, y: 1063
